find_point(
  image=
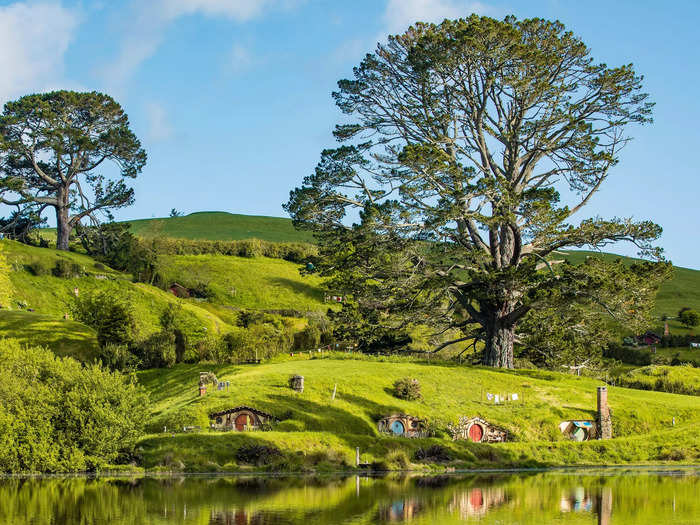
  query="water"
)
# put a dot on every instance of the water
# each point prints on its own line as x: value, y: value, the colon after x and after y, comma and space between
x: 608, y: 497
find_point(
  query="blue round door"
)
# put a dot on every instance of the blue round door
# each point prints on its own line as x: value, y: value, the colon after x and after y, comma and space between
x: 397, y: 428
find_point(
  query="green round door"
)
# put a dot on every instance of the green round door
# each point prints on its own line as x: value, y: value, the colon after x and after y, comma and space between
x: 579, y: 434
x: 397, y: 428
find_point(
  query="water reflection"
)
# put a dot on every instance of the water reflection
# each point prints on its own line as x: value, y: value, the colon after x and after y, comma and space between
x: 527, y: 498
x: 477, y: 501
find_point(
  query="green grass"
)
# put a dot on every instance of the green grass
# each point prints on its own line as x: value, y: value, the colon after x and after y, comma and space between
x: 677, y: 379
x: 221, y: 226
x: 313, y: 422
x: 256, y: 283
x: 682, y: 290
x: 64, y: 337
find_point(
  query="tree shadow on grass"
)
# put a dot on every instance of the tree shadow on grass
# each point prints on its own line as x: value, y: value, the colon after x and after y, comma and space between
x: 300, y: 288
x: 320, y: 417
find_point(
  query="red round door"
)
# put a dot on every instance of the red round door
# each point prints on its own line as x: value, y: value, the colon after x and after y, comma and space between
x: 241, y: 422
x: 476, y: 432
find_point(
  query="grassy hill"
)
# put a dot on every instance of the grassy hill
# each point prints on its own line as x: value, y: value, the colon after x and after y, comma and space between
x: 221, y: 226
x: 682, y: 290
x: 316, y: 428
x: 255, y: 283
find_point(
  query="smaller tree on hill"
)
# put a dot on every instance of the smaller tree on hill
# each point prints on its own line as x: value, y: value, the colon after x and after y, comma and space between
x: 688, y: 317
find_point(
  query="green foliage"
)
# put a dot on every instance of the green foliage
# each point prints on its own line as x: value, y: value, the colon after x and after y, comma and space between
x: 59, y: 416
x: 157, y: 351
x: 111, y: 317
x: 6, y: 288
x: 673, y: 379
x: 51, y: 145
x: 407, y: 388
x: 464, y: 242
x: 689, y: 318
x: 433, y: 454
x: 295, y: 252
x: 65, y: 269
x: 258, y: 455
x: 38, y: 268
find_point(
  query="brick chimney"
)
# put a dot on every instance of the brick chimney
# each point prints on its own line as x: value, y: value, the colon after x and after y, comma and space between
x: 604, y: 421
x: 202, y: 390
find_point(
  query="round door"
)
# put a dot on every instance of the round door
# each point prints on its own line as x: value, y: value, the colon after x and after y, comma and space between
x: 476, y: 433
x: 579, y: 434
x: 397, y: 428
x: 241, y: 422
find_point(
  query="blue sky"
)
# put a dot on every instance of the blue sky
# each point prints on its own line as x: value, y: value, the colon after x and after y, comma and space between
x: 231, y: 98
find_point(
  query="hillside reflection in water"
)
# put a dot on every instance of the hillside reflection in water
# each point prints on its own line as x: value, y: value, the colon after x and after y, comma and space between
x: 605, y: 497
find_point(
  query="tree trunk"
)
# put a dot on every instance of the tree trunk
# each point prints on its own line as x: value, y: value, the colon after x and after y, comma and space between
x: 499, y: 345
x: 63, y: 227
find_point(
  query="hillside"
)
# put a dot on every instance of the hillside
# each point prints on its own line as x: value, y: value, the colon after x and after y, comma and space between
x: 313, y: 423
x: 221, y: 226
x: 682, y: 290
x: 256, y: 283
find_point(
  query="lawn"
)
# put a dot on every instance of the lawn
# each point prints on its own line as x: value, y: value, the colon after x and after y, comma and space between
x: 259, y: 283
x: 312, y: 421
x: 221, y: 226
x: 64, y: 337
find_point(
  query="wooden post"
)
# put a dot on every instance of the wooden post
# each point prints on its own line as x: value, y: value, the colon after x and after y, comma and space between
x: 335, y: 387
x: 357, y: 456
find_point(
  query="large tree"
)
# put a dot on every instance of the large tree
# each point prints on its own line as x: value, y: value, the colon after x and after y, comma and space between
x: 471, y: 148
x: 53, y: 148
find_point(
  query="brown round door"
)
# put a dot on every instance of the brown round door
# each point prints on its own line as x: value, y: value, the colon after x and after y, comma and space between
x: 241, y: 422
x: 476, y: 432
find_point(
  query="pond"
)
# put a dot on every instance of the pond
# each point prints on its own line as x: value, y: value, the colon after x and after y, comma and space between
x: 607, y: 496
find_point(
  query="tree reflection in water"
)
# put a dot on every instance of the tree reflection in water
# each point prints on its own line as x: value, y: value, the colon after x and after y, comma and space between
x: 622, y: 498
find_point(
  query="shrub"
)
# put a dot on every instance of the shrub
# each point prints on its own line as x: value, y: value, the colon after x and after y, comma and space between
x: 66, y: 269
x: 407, y: 388
x: 158, y: 351
x: 435, y: 453
x: 77, y: 418
x: 38, y: 268
x: 688, y: 317
x: 257, y: 454
x: 111, y: 317
x: 118, y: 357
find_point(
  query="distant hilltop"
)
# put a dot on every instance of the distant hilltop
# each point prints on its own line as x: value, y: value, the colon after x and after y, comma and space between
x: 221, y: 226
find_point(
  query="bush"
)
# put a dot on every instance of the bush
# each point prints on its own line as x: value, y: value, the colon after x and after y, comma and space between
x: 118, y: 357
x: 158, y: 351
x: 76, y: 418
x: 38, y: 268
x: 407, y: 388
x: 688, y: 317
x: 257, y: 454
x: 66, y: 269
x: 111, y: 317
x: 435, y: 454
x: 641, y: 357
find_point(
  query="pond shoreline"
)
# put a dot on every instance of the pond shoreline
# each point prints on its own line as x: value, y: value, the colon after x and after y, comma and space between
x: 584, y: 469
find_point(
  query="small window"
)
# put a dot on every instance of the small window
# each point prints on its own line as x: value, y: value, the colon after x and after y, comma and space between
x: 219, y: 420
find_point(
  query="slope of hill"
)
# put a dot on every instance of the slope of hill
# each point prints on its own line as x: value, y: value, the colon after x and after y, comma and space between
x: 256, y: 283
x: 316, y: 424
x: 682, y: 290
x: 221, y: 226
x: 64, y: 337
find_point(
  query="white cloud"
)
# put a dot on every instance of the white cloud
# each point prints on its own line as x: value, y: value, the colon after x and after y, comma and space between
x: 151, y: 19
x: 400, y: 14
x: 159, y: 127
x: 239, y: 10
x: 34, y: 38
